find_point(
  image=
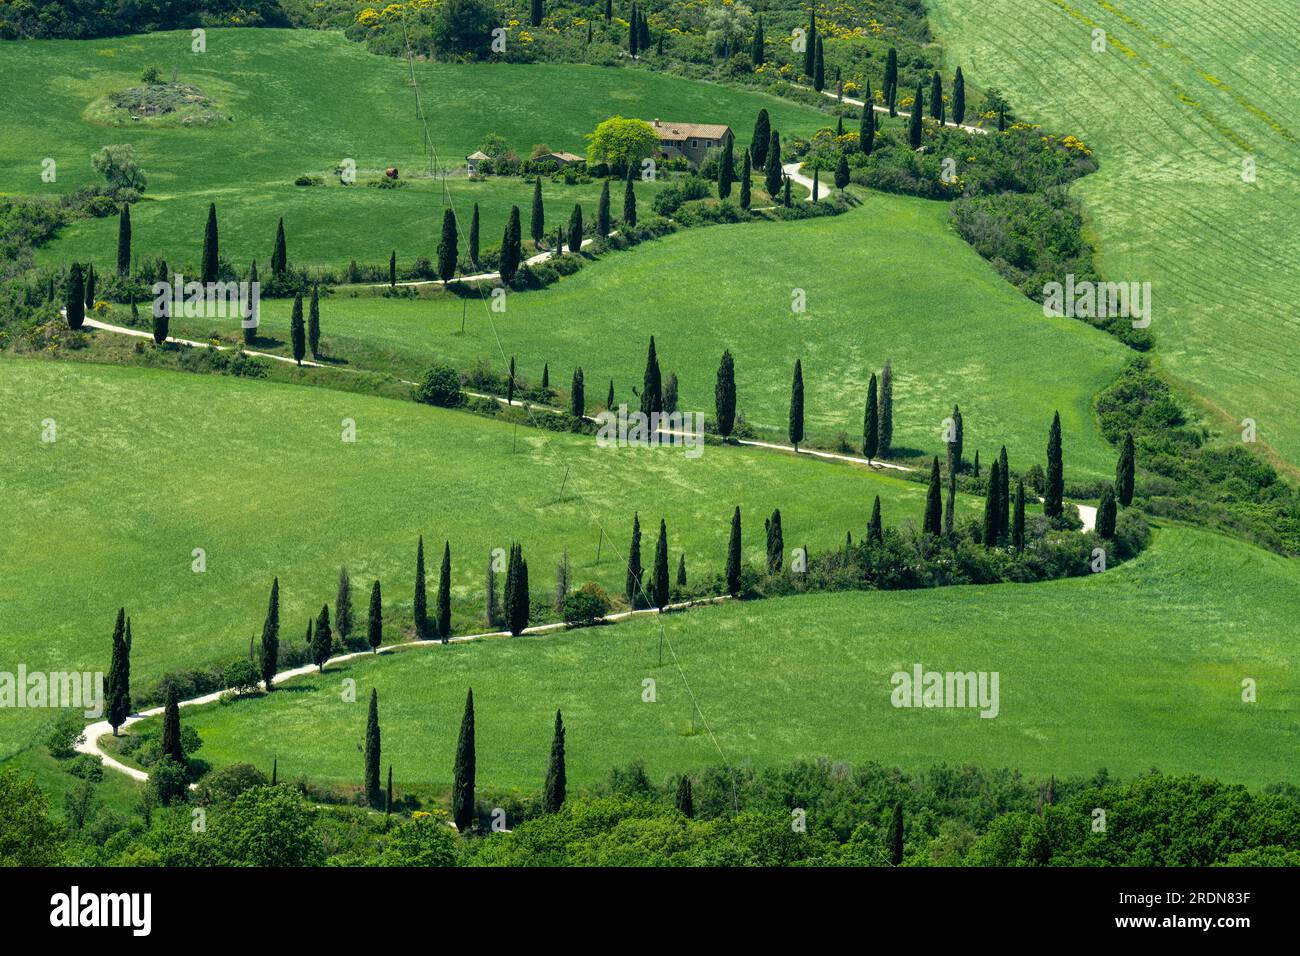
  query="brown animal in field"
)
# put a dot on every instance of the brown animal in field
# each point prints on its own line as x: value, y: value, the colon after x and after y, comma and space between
x: 391, y: 172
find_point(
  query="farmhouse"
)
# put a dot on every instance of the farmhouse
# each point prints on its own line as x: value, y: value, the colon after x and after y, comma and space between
x: 474, y: 158
x: 693, y: 141
x: 560, y: 159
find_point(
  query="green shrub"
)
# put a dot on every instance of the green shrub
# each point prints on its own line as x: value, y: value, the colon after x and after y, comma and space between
x: 441, y: 387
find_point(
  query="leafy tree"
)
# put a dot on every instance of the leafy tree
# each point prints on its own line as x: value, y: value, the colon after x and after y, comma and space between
x: 958, y: 97
x: 537, y: 221
x: 1106, y: 515
x: 603, y: 224
x: 575, y: 228
x: 211, y: 262
x: 462, y: 788
x: 634, y: 570
x: 1018, y: 523
x: 124, y: 240
x: 662, y: 584
x: 652, y: 399
x: 267, y: 827
x: 629, y: 202
x: 375, y: 619
x: 297, y: 334
x: 171, y: 727
x: 724, y: 395
x: 374, y: 795
x: 270, y: 656
x: 733, y: 555
x: 775, y: 543
x: 444, y: 594
x: 463, y: 28
x: 762, y: 138
x: 933, y: 523
x: 578, y: 395
x: 1124, y: 471
x: 420, y: 605
x: 76, y: 304
x: 746, y: 175
x: 511, y: 252
x: 875, y: 531
x: 1053, y: 503
x: 622, y: 143
x: 871, y: 422
x: 796, y: 406
x: 322, y: 639
x: 726, y: 169
x: 279, y: 257
x: 554, y: 787
x: 914, y: 121
x: 313, y: 323
x: 772, y: 173
x: 118, y: 166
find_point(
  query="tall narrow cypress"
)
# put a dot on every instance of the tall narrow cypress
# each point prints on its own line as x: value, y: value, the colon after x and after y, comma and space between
x: 652, y: 398
x: 871, y: 422
x: 896, y: 836
x: 118, y: 686
x: 746, y: 175
x: 683, y: 799
x: 662, y: 583
x: 375, y: 619
x: 950, y: 505
x: 609, y: 401
x: 681, y: 570
x: 819, y: 68
x: 875, y: 530
x: 958, y: 97
x: 992, y: 507
x: 537, y: 221
x: 796, y: 406
x: 603, y: 225
x: 575, y: 228
x: 724, y: 395
x: 210, y: 257
x: 447, y: 246
x: 322, y: 639
x: 726, y: 169
x: 1053, y: 503
x: 392, y: 269
x: 510, y: 247
x: 250, y: 304
x: 297, y: 334
x: 124, y: 240
x: 535, y: 13
x: 733, y: 555
x: 473, y: 235
x: 1124, y: 471
x: 891, y: 81
x: 867, y: 126
x: 914, y: 121
x: 762, y: 137
x: 171, y: 727
x: 1018, y: 523
x: 629, y: 201
x: 772, y: 174
x: 462, y: 787
x: 775, y: 543
x: 810, y: 45
x: 313, y: 323
x: 1106, y: 514
x: 388, y: 797
x: 420, y: 606
x: 634, y: 570
x: 76, y: 304
x: 933, y: 523
x: 756, y: 54
x: 516, y: 591
x: 578, y: 395
x: 956, y: 440
x: 271, y: 637
x: 1004, y: 498
x: 374, y: 795
x: 90, y: 286
x: 444, y: 594
x: 936, y: 96
x: 279, y: 257
x: 553, y: 790
x: 886, y: 409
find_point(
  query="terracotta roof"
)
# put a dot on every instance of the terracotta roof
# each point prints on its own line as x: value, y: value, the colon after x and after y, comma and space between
x: 681, y: 131
x: 567, y: 157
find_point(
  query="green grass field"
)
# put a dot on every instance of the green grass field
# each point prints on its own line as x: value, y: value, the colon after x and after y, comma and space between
x: 1140, y: 667
x: 301, y: 102
x: 149, y: 465
x: 888, y: 280
x: 1184, y: 95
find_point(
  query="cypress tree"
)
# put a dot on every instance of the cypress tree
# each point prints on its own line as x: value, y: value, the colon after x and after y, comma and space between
x: 124, y: 240
x: 1053, y: 504
x: 322, y: 639
x: 462, y: 788
x: 375, y: 620
x: 609, y: 402
x: 819, y: 68
x: 796, y: 406
x: 1106, y: 514
x: 955, y: 441
x: 670, y: 393
x: 491, y: 609
x: 633, y: 33
x: 891, y: 81
x: 535, y: 13
x: 775, y: 543
x: 652, y: 398
x: 546, y: 376
x: 554, y: 787
x: 609, y: 10
x: 161, y: 313
x: 662, y: 583
x: 867, y: 127
x: 271, y: 636
x: 684, y: 801
x: 958, y: 97
x: 1018, y: 524
x: 392, y: 269
x: 510, y: 383
x: 1004, y: 498
x: 756, y: 55
x: 936, y: 96
x: 473, y: 235
x: 681, y: 570
x: 810, y: 45
x: 1002, y: 119
x: 992, y: 507
x: 279, y: 257
x: 516, y: 591
x: 373, y: 793
x: 537, y: 222
x: 761, y: 139
x: 871, y: 422
x: 634, y: 570
x: 76, y: 305
x: 275, y: 771
x: 420, y: 606
x: 250, y: 331
x: 575, y: 228
x: 726, y: 169
x: 746, y: 173
x: 875, y: 530
x: 117, y: 691
x: 629, y: 201
x: 896, y: 836
x: 933, y: 523
x: 724, y: 395
x: 1124, y: 471
x: 785, y: 190
x: 211, y: 262
x: 914, y: 121
x: 313, y: 323
x: 444, y: 594
x: 388, y: 797
x: 447, y: 246
x: 90, y: 286
x: 842, y: 173
x: 816, y: 189
x: 772, y: 173
x: 171, y: 727
x: 950, y: 506
x: 297, y: 333
x: 839, y: 126
x: 643, y: 41
x: 976, y: 468
x: 510, y: 247
x: 603, y: 224
x: 577, y: 395
x: 733, y: 555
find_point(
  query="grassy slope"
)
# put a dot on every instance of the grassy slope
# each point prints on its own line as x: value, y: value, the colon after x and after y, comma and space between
x: 888, y: 280
x: 1172, y: 123
x: 150, y: 465
x: 302, y: 101
x: 1137, y: 668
